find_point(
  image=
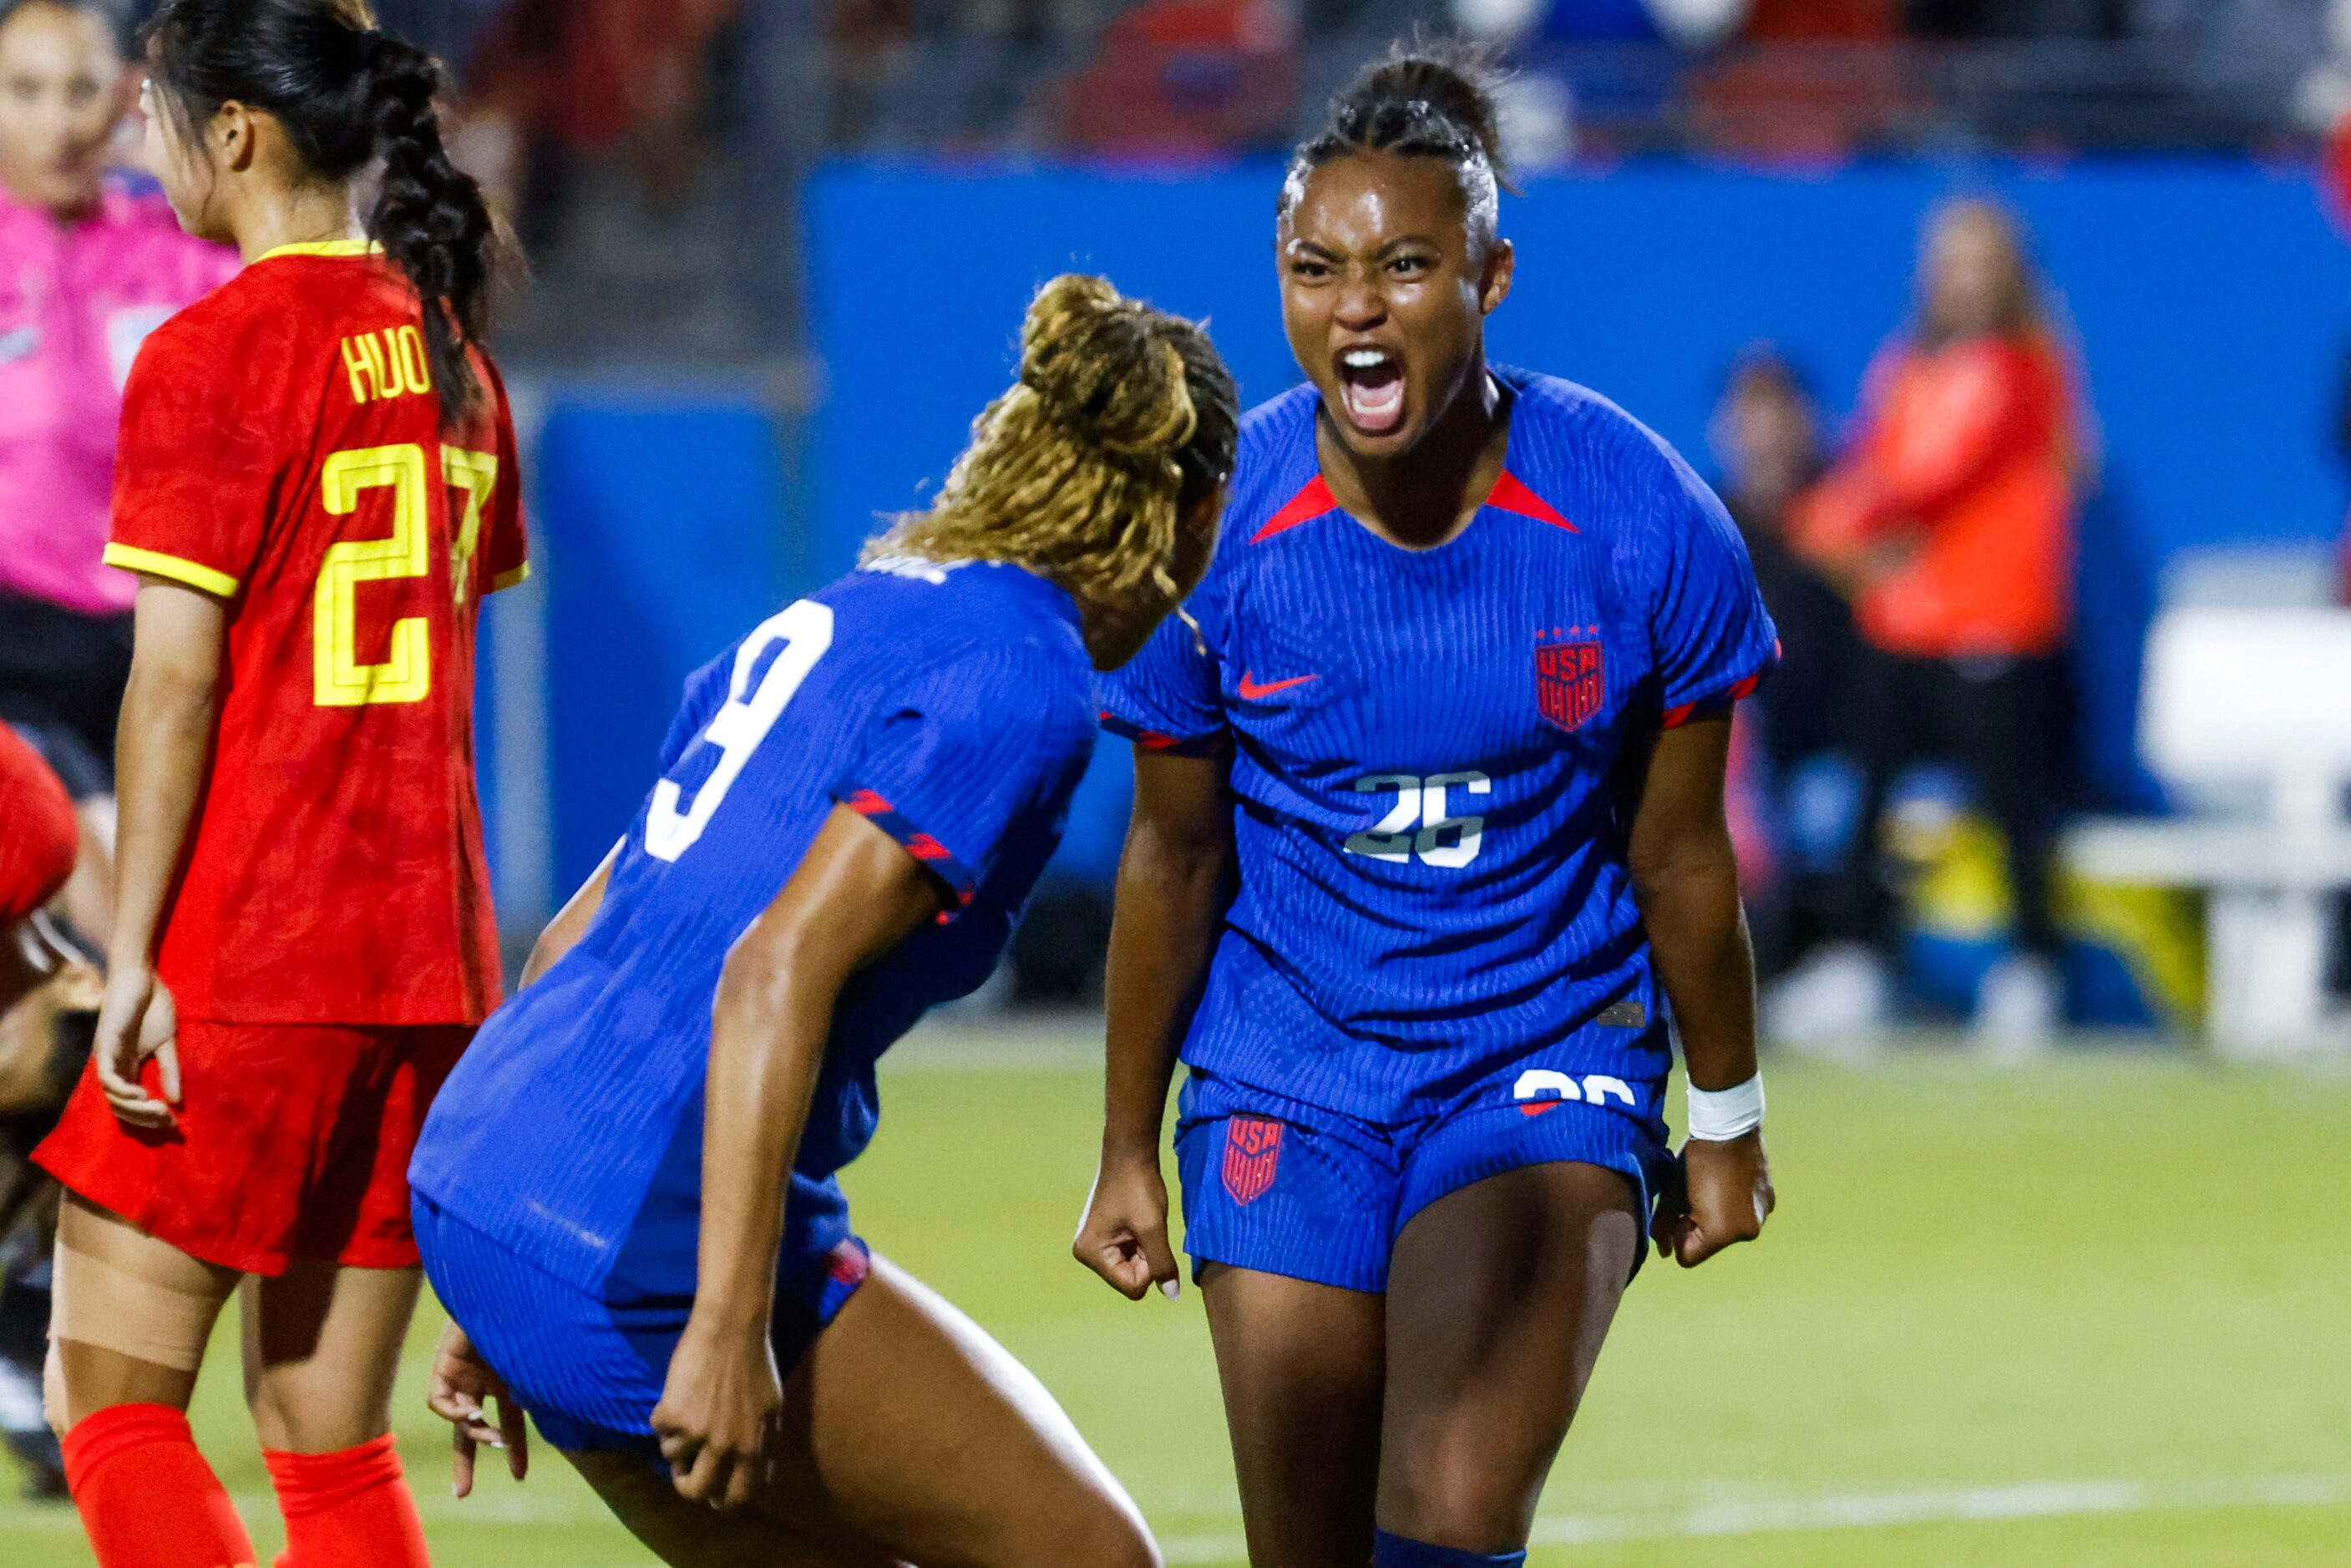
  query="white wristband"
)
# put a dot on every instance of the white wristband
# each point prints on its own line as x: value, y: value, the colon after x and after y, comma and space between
x: 1719, y: 1116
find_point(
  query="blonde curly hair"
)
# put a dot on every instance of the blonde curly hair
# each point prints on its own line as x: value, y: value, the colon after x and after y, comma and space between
x: 1124, y: 418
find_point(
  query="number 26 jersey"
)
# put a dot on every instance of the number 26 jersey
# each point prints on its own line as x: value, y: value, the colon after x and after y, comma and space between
x: 283, y: 449
x: 1428, y: 806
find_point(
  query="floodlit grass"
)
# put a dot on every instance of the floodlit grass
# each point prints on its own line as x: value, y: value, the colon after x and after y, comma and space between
x: 2091, y: 1312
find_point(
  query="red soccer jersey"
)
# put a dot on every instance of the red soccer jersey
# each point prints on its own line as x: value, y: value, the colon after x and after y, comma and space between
x: 282, y: 447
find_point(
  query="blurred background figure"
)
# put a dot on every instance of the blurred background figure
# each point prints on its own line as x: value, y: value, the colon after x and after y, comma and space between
x: 1950, y: 523
x: 89, y: 264
x: 48, y: 999
x: 1766, y: 438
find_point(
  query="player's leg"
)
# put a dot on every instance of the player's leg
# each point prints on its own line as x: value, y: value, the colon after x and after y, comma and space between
x: 130, y: 1319
x: 1289, y: 1211
x: 688, y: 1535
x: 909, y: 1432
x: 323, y: 1337
x: 1500, y: 1295
x: 322, y: 1346
x: 1301, y: 1366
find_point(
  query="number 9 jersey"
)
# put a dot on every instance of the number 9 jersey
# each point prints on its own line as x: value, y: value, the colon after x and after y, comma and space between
x: 283, y: 449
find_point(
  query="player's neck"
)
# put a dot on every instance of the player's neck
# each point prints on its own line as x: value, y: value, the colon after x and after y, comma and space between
x: 1422, y: 498
x: 266, y: 222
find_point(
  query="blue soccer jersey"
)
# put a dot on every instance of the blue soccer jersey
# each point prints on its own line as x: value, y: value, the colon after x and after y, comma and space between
x: 1429, y: 813
x: 951, y: 706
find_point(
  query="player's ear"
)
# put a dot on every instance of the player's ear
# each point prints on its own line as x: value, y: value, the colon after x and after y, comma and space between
x: 1494, y: 280
x: 233, y: 139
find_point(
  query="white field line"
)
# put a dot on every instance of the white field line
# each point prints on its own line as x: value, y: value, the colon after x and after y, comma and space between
x: 1752, y: 1516
x: 1879, y: 1510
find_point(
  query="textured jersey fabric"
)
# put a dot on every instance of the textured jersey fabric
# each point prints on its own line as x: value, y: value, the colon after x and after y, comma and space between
x: 949, y: 706
x: 1428, y: 793
x: 283, y: 449
x: 77, y: 300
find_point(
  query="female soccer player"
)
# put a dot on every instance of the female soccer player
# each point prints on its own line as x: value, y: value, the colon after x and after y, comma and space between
x: 1455, y: 715
x: 317, y: 490
x: 626, y: 1196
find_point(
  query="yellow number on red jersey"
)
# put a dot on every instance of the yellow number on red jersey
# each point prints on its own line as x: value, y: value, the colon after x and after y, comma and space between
x: 406, y: 676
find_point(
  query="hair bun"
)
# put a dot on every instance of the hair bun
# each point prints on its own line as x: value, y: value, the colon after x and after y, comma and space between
x: 1102, y: 366
x: 1431, y: 79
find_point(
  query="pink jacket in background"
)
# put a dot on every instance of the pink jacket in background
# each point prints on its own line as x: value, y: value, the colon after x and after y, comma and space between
x: 75, y: 305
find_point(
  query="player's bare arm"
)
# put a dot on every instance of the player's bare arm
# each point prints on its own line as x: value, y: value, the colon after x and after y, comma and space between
x: 570, y: 923
x: 857, y: 894
x: 1170, y: 908
x: 1686, y: 880
x: 169, y: 714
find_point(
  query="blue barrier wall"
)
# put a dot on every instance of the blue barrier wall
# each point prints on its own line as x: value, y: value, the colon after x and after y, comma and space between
x: 662, y: 538
x: 2210, y: 299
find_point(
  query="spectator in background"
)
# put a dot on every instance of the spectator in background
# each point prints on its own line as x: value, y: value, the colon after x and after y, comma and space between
x: 1949, y: 522
x: 557, y: 78
x: 1767, y: 439
x: 89, y: 266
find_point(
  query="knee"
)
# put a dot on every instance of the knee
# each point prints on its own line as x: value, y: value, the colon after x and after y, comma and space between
x: 1451, y: 1496
x: 327, y: 1421
x: 1113, y: 1535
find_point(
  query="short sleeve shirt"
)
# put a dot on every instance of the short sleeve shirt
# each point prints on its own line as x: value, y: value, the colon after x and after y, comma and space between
x: 1429, y: 810
x: 283, y: 448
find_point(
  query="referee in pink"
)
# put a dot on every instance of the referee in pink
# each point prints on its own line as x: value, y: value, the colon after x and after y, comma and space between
x: 89, y: 264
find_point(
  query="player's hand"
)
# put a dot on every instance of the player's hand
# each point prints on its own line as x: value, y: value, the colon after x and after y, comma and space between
x: 459, y: 1391
x: 717, y: 1409
x: 136, y: 1020
x: 1123, y: 1237
x: 1723, y: 1197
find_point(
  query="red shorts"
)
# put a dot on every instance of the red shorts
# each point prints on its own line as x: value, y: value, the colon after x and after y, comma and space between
x: 293, y: 1142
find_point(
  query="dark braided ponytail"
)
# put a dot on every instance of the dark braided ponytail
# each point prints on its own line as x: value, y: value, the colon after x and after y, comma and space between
x: 348, y: 97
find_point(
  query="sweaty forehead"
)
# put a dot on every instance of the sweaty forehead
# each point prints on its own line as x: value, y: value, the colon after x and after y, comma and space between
x: 1359, y: 202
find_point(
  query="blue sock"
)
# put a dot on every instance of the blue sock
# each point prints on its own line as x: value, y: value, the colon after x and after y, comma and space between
x: 1395, y: 1552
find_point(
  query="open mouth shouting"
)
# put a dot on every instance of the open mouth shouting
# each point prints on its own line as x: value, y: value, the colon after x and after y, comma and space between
x: 1371, y: 388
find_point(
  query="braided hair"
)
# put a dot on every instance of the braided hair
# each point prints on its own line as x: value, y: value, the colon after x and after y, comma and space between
x: 1422, y: 100
x: 1122, y: 421
x: 348, y: 96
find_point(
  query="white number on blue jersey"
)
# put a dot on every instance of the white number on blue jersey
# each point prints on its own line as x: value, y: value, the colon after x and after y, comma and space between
x: 742, y: 722
x: 1421, y: 803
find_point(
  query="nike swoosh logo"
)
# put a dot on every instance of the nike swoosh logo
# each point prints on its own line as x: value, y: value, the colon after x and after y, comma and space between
x: 1251, y: 691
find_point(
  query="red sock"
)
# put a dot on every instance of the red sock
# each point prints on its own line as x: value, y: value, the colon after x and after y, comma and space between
x: 147, y: 1498
x: 350, y: 1509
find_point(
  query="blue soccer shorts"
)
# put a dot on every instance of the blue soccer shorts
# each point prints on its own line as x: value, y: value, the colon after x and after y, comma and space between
x: 1286, y: 1188
x: 590, y: 1371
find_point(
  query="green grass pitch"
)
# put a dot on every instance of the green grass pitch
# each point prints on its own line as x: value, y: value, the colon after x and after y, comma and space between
x: 2095, y: 1311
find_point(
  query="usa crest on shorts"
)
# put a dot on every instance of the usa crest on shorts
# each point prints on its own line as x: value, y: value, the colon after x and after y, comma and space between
x: 1569, y: 682
x: 1253, y: 1154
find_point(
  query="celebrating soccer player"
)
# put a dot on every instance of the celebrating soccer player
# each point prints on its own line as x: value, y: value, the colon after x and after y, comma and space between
x: 626, y: 1197
x: 1428, y: 846
x: 317, y: 490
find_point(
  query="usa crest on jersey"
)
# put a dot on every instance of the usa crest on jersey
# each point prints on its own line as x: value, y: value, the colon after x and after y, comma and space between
x: 1569, y: 682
